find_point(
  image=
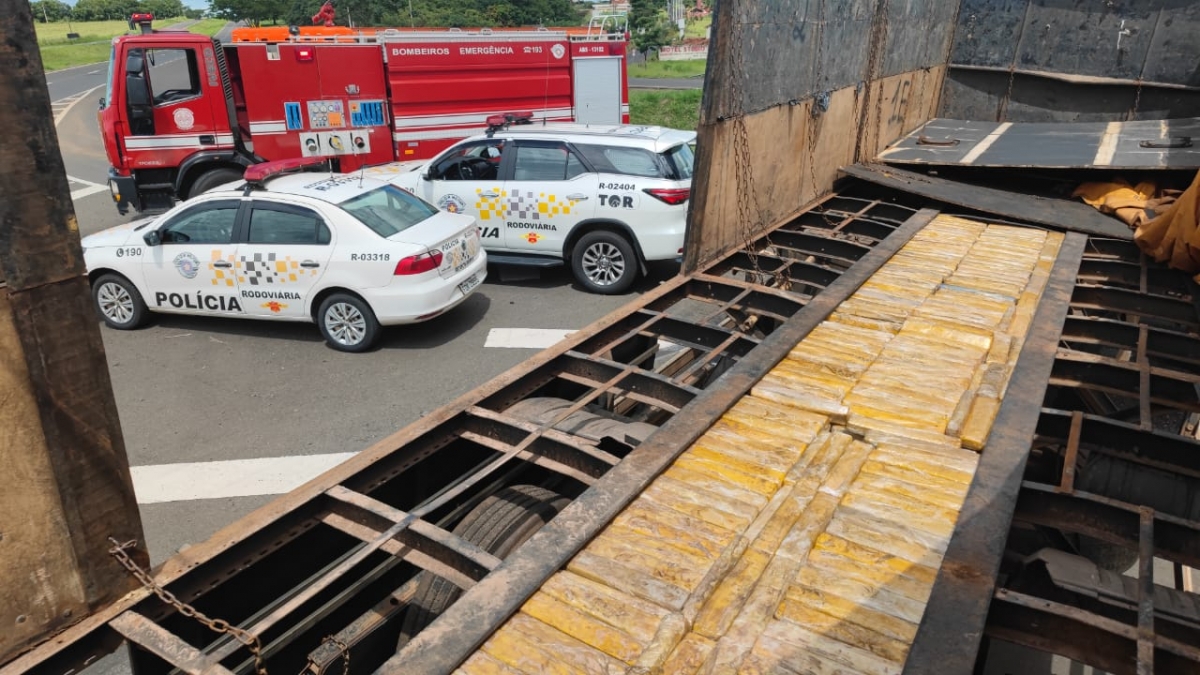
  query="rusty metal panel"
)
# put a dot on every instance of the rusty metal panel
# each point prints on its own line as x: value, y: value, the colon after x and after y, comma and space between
x: 1149, y: 40
x: 1150, y: 144
x: 919, y: 34
x: 1053, y: 213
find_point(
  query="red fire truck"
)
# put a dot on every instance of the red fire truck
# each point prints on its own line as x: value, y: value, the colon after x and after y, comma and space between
x: 184, y: 113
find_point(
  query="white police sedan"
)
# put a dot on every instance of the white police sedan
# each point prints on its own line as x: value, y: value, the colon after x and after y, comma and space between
x: 347, y: 252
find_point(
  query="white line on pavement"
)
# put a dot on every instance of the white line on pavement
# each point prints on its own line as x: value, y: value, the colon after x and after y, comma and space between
x: 87, y: 191
x: 161, y: 483
x: 525, y: 338
x: 71, y: 102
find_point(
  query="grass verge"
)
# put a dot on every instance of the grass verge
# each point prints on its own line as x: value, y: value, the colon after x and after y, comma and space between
x: 667, y: 69
x: 674, y: 109
x: 92, y: 45
x: 208, y: 26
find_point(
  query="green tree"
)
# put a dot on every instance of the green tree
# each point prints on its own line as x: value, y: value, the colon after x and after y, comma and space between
x: 252, y: 12
x: 50, y: 10
x: 650, y: 25
x: 163, y: 9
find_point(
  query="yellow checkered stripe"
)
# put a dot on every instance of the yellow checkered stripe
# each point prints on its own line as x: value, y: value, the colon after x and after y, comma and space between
x: 803, y: 531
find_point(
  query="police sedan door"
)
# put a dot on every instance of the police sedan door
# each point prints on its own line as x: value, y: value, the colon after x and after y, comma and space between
x: 467, y: 178
x: 550, y: 192
x: 287, y: 249
x: 192, y: 270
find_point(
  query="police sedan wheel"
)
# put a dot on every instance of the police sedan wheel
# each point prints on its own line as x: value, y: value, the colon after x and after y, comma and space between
x: 119, y: 303
x: 348, y: 324
x: 604, y: 262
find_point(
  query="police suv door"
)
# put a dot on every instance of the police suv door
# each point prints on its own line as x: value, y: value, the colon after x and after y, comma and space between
x: 551, y: 190
x: 467, y: 178
x: 286, y: 250
x: 192, y: 270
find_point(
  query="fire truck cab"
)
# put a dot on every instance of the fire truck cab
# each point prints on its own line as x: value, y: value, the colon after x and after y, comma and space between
x: 184, y: 113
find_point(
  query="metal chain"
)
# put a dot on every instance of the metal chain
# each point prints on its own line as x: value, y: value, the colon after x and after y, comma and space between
x: 345, y: 652
x: 749, y: 210
x: 1002, y: 113
x: 119, y: 551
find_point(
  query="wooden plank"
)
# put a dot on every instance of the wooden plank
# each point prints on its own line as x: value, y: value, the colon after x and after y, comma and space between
x: 1058, y: 214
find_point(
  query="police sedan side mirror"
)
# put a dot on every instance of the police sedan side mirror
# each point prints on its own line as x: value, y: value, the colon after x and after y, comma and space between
x: 152, y: 238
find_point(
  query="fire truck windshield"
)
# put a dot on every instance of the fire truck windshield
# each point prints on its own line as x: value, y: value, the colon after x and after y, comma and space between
x: 108, y: 87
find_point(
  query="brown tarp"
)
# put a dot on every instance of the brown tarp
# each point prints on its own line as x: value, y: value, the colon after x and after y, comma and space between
x: 1166, y: 222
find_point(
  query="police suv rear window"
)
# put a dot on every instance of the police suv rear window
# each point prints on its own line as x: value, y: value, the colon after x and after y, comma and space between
x: 388, y: 210
x: 622, y: 160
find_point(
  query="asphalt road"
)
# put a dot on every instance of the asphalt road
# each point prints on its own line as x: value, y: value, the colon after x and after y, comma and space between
x: 203, y: 390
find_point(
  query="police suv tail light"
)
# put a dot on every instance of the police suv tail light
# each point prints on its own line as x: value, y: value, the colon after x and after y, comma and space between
x: 418, y: 264
x: 672, y: 196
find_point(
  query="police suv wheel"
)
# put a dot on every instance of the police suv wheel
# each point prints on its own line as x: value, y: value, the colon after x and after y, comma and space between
x: 118, y: 302
x: 604, y: 262
x: 347, y: 323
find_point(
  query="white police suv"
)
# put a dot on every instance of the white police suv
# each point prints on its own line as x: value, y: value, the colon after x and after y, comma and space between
x: 602, y: 199
x: 348, y: 252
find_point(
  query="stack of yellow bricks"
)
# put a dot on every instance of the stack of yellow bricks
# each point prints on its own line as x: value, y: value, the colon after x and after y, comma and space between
x: 803, y: 531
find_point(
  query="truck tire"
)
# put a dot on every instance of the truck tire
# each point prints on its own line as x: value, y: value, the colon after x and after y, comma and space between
x: 347, y: 323
x: 500, y: 524
x: 118, y: 302
x: 604, y: 262
x: 211, y: 179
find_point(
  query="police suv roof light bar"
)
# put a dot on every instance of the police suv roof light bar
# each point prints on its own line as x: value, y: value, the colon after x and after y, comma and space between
x: 497, y: 122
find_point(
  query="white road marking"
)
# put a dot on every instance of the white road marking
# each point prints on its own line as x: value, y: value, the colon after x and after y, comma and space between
x: 525, y: 338
x: 187, y: 481
x: 70, y: 102
x: 87, y: 191
x: 92, y: 72
x: 1108, y: 145
x: 985, y: 143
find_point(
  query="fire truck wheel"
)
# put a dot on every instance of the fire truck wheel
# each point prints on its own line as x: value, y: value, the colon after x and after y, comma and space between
x: 500, y: 524
x: 347, y: 323
x: 118, y: 302
x: 212, y: 179
x: 604, y: 263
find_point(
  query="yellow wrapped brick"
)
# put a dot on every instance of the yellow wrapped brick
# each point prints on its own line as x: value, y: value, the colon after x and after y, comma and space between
x: 850, y: 633
x: 924, y: 463
x: 979, y: 422
x: 886, y: 519
x: 584, y: 627
x: 918, y: 515
x: 953, y: 333
x: 850, y: 319
x: 868, y: 556
x: 533, y: 647
x: 709, y: 483
x: 652, y: 518
x: 627, y: 613
x: 885, y: 390
x: 782, y: 421
x: 787, y: 647
x: 941, y: 496
x: 963, y: 462
x: 1001, y: 345
x: 630, y: 580
x: 780, y: 391
x: 651, y: 558
x: 707, y: 506
x: 845, y: 611
x: 884, y: 539
x: 931, y: 420
x: 882, y: 429
x: 719, y: 611
x: 957, y: 485
x: 812, y: 381
x: 689, y: 655
x: 782, y: 453
x: 761, y: 431
x: 745, y: 455
x: 870, y: 595
x: 721, y: 471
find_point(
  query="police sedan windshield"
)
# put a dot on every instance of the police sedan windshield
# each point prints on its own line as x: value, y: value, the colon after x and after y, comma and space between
x: 388, y: 210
